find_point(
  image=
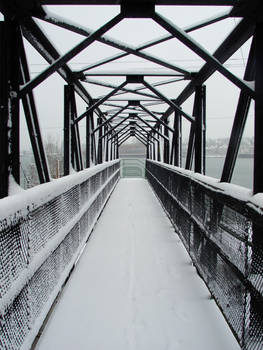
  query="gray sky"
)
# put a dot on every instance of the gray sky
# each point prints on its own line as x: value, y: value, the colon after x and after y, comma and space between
x: 222, y: 96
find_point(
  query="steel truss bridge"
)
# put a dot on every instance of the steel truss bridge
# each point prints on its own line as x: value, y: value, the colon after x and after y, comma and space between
x: 44, y: 229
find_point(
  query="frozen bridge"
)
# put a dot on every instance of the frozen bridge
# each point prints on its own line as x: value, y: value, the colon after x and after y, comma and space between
x: 91, y: 261
x: 129, y: 280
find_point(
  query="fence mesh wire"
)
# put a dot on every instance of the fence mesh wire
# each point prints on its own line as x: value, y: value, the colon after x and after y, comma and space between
x: 223, y: 236
x: 23, y: 252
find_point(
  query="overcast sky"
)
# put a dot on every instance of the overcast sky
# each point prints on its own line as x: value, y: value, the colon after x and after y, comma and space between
x: 222, y: 96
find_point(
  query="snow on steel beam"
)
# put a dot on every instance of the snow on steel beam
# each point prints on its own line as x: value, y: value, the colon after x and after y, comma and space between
x: 124, y: 140
x: 169, y: 102
x: 146, y: 131
x: 56, y: 20
x: 149, y: 125
x: 123, y: 90
x: 40, y: 42
x: 239, y: 35
x: 110, y: 119
x: 105, y: 98
x: 131, y: 73
x: 156, y: 2
x: 239, y: 120
x: 203, y: 53
x: 114, y: 127
x: 117, y: 132
x: 156, y: 118
x: 151, y: 43
x: 136, y: 136
x: 160, y: 83
x: 69, y: 55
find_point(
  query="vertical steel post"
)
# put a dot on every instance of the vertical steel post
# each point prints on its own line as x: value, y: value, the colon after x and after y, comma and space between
x: 4, y: 68
x: 88, y: 140
x: 199, y: 130
x: 176, y: 152
x: 75, y: 141
x: 9, y: 111
x: 100, y: 145
x: 92, y: 146
x: 67, y: 131
x: 257, y: 238
x: 166, y: 153
x: 31, y: 117
x: 159, y: 148
x: 148, y: 147
x: 117, y: 147
x: 258, y: 128
x: 190, y: 148
x: 239, y: 120
x: 153, y: 147
x: 106, y: 143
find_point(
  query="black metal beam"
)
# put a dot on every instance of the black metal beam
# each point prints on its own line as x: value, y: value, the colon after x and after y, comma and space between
x: 258, y: 126
x: 113, y: 43
x: 176, y: 151
x: 239, y: 35
x: 146, y: 110
x: 166, y: 148
x: 120, y: 143
x: 120, y: 136
x: 168, y: 101
x: 239, y: 121
x: 156, y: 2
x: 141, y: 141
x: 67, y: 131
x: 110, y: 119
x: 117, y: 132
x: 88, y: 141
x: 112, y: 86
x: 100, y: 145
x: 44, y: 47
x: 146, y: 131
x: 149, y: 125
x: 154, y: 42
x: 32, y: 120
x: 115, y: 126
x: 160, y: 83
x: 199, y: 142
x: 203, y: 53
x: 110, y: 73
x: 144, y: 136
x: 62, y: 60
x: 9, y: 111
x: 99, y: 102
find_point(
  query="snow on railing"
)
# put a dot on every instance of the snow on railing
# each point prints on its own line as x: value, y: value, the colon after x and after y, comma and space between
x: 221, y: 227
x: 42, y: 232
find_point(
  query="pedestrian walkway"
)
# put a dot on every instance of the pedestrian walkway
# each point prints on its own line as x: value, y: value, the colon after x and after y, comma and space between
x: 134, y: 286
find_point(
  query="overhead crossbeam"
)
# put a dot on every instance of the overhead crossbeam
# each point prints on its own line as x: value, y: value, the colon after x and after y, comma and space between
x: 68, y: 56
x: 117, y: 132
x: 146, y: 110
x: 112, y: 86
x: 239, y: 35
x: 51, y: 18
x: 109, y: 119
x: 203, y: 53
x: 151, y: 127
x: 239, y: 120
x: 116, y: 126
x: 168, y: 101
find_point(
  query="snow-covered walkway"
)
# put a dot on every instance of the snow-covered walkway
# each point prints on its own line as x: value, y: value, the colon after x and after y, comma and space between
x: 134, y: 287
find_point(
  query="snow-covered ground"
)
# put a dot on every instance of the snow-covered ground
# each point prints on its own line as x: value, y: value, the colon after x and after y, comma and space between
x: 134, y: 287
